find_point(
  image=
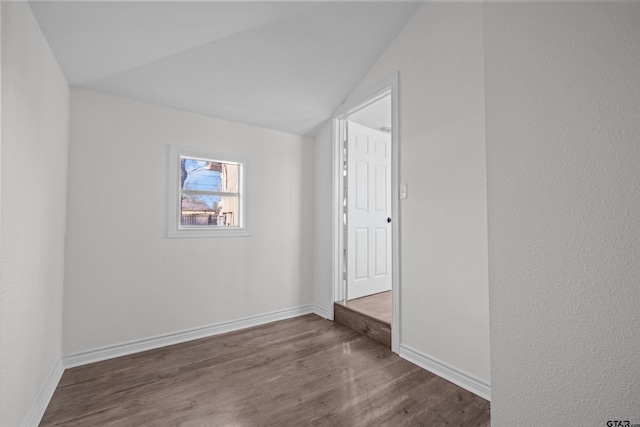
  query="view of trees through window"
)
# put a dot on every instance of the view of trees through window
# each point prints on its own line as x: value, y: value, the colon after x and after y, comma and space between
x: 209, y: 193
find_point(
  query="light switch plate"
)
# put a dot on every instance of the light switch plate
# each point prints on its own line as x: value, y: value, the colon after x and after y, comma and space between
x: 403, y: 191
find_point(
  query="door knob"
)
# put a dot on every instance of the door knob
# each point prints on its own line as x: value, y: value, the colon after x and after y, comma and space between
x: 389, y: 219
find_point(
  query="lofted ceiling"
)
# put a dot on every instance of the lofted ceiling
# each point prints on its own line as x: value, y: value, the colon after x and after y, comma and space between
x: 279, y: 65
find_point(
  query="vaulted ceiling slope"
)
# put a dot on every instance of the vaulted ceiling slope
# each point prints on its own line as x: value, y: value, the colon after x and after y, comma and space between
x: 279, y: 65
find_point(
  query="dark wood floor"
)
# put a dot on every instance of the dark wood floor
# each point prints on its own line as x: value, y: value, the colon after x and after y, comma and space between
x: 305, y: 371
x: 378, y: 306
x: 362, y: 323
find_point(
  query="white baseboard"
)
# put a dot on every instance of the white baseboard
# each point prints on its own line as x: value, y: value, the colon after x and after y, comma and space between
x: 321, y: 311
x: 131, y: 347
x: 467, y: 381
x: 36, y: 411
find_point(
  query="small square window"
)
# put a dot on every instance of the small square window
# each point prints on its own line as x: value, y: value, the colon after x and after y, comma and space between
x: 207, y: 195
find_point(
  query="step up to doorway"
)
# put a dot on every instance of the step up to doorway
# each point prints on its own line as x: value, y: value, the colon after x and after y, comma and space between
x: 376, y: 329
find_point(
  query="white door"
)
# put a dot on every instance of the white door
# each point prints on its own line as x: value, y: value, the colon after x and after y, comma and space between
x: 368, y: 211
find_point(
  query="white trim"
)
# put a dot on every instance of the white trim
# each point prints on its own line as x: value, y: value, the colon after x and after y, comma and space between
x: 395, y: 213
x: 338, y: 293
x: 383, y: 88
x: 321, y: 311
x: 131, y: 347
x: 463, y: 379
x: 336, y: 217
x: 39, y: 406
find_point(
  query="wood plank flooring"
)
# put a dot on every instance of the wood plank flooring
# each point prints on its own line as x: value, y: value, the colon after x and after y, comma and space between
x: 378, y: 306
x: 306, y: 371
x: 364, y: 324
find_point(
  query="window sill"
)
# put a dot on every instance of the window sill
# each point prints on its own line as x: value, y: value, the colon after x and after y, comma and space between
x: 189, y: 232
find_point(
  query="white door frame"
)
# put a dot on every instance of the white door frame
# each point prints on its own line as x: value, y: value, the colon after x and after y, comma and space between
x: 388, y: 86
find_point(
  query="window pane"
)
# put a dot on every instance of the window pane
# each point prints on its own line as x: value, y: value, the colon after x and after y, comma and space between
x: 229, y: 214
x: 200, y: 175
x: 199, y: 210
x: 205, y: 211
x: 229, y: 177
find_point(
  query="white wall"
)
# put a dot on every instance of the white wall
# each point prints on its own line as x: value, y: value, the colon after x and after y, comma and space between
x: 323, y: 209
x: 35, y: 117
x: 125, y: 280
x: 444, y: 284
x: 563, y: 150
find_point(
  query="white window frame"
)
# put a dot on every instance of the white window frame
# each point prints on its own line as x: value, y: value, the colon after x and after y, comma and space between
x: 175, y: 229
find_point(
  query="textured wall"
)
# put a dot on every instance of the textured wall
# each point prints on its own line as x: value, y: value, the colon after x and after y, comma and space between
x: 125, y: 280
x: 563, y: 150
x: 35, y: 117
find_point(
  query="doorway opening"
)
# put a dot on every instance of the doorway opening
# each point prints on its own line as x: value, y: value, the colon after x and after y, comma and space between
x: 366, y: 212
